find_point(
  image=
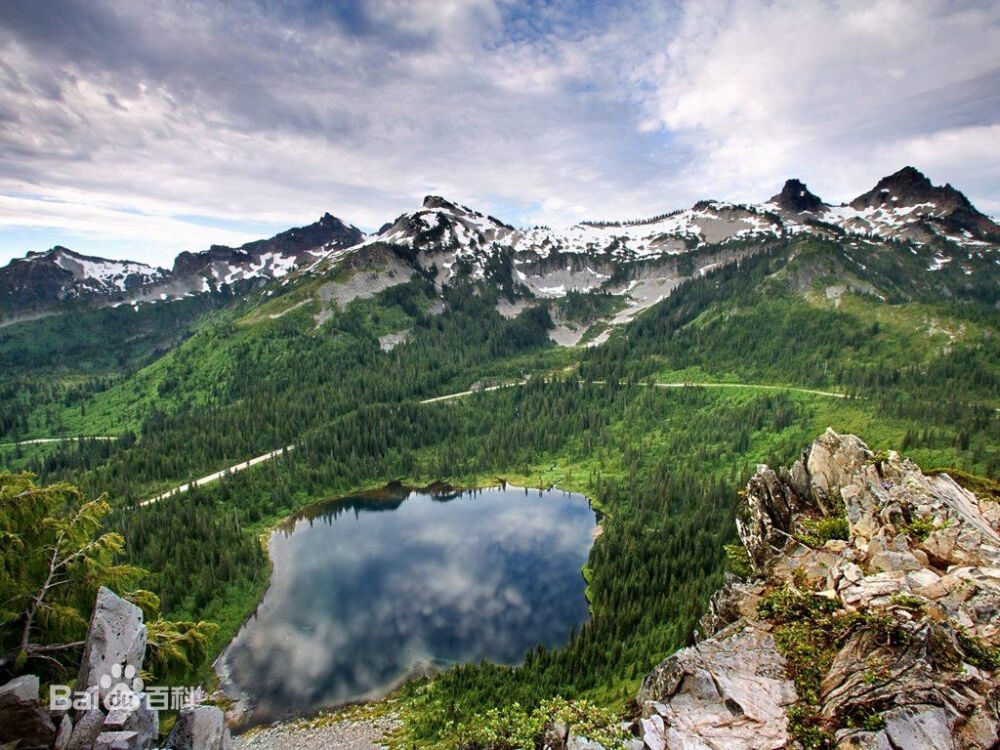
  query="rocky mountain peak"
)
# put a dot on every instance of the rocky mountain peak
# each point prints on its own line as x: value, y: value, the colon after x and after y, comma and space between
x: 796, y: 198
x: 910, y: 187
x: 436, y: 201
x: 942, y: 205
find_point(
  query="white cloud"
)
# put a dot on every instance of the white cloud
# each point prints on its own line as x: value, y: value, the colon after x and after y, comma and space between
x: 266, y: 114
x: 839, y: 92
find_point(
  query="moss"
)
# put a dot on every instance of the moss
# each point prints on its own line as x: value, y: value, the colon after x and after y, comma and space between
x: 819, y: 531
x: 822, y: 530
x: 912, y: 603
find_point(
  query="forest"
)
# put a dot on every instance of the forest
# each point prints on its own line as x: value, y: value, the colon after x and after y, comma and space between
x: 916, y: 373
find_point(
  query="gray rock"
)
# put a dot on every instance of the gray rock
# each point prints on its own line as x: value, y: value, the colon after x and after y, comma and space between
x: 24, y: 722
x: 24, y: 687
x: 117, y: 636
x: 142, y: 720
x: 730, y: 691
x: 919, y: 727
x: 88, y: 725
x: 833, y: 460
x: 117, y: 741
x: 865, y: 741
x: 199, y: 728
x: 767, y: 526
x: 63, y: 734
x: 579, y: 742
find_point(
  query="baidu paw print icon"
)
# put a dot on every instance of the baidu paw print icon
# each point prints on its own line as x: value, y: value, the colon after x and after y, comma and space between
x: 123, y: 687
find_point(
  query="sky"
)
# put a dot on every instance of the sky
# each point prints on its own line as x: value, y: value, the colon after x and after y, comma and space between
x: 140, y: 129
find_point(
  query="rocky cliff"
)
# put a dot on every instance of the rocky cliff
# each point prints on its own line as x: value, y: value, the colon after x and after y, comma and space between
x: 869, y: 617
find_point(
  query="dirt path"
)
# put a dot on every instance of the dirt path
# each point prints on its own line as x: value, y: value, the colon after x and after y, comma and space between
x: 39, y: 441
x: 217, y: 475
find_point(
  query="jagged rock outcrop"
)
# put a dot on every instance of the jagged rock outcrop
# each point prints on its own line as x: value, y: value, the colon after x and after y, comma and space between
x: 873, y: 620
x: 796, y: 198
x: 116, y: 637
x: 731, y: 686
x: 117, y: 715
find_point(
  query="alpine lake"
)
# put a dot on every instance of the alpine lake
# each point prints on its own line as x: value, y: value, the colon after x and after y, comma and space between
x: 370, y: 590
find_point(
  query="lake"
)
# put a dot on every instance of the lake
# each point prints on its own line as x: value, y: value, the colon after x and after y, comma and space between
x: 368, y: 591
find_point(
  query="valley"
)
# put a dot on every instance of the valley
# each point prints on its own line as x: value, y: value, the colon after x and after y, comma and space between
x: 648, y: 366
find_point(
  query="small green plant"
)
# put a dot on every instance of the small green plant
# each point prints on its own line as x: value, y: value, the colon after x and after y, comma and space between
x: 920, y: 528
x: 739, y: 560
x: 822, y: 530
x: 864, y: 717
x: 806, y: 725
x: 888, y: 631
x: 978, y: 653
x: 909, y: 602
x: 877, y: 458
x: 876, y: 669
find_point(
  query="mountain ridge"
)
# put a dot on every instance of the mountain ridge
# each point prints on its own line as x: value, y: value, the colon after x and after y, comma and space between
x: 448, y: 239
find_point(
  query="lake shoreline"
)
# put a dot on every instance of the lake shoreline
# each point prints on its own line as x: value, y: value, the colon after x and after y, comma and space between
x: 396, y: 491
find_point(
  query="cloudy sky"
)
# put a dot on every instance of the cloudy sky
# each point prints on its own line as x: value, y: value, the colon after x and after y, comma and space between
x: 139, y: 129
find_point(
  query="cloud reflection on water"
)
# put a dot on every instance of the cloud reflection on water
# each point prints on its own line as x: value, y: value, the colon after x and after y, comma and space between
x: 358, y: 598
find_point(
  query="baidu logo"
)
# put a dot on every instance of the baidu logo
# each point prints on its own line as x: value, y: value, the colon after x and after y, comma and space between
x: 122, y: 688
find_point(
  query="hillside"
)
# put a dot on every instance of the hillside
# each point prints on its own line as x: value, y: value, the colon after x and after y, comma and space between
x: 768, y: 323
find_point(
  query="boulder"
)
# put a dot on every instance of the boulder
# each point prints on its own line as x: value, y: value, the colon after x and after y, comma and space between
x: 765, y: 529
x: 734, y: 601
x: 199, y: 728
x: 63, y: 734
x: 579, y: 742
x: 117, y: 741
x: 117, y: 636
x: 24, y: 687
x: 833, y: 461
x: 141, y: 719
x: 730, y: 691
x: 23, y: 719
x: 88, y: 725
x: 919, y: 727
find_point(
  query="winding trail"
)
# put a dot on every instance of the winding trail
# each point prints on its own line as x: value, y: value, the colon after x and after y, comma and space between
x: 216, y: 476
x: 757, y: 386
x: 462, y: 394
x: 38, y: 441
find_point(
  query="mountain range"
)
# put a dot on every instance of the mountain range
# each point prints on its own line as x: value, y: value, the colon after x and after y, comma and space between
x: 649, y: 365
x: 640, y: 261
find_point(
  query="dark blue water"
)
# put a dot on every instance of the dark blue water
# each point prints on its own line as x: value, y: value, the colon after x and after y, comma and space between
x: 366, y: 592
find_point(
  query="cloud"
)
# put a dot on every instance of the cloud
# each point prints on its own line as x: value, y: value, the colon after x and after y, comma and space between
x: 264, y: 113
x: 358, y: 600
x: 838, y: 92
